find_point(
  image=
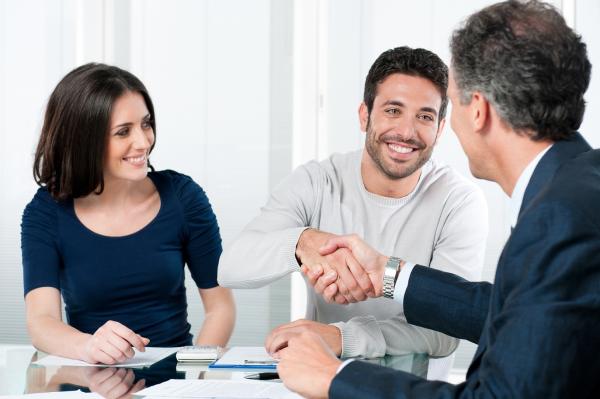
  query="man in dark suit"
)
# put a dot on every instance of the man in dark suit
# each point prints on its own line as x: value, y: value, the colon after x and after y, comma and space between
x: 517, y: 80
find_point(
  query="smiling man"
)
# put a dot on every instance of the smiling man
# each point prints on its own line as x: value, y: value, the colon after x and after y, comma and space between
x: 390, y: 189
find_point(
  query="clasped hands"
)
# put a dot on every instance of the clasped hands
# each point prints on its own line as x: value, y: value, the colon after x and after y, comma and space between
x: 343, y: 269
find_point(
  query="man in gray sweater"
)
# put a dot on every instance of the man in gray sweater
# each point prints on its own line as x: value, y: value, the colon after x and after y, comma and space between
x: 391, y: 193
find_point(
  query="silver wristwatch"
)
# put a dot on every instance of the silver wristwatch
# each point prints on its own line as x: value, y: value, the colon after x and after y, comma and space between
x: 390, y: 274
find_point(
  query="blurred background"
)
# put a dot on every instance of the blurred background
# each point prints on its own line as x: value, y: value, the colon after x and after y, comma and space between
x: 244, y: 91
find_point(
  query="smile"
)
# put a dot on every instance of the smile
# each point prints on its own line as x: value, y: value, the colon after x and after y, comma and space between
x: 400, y: 149
x: 137, y: 161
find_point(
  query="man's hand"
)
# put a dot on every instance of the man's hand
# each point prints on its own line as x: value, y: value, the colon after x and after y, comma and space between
x: 280, y: 336
x: 371, y: 261
x: 339, y: 266
x: 111, y: 343
x: 307, y: 366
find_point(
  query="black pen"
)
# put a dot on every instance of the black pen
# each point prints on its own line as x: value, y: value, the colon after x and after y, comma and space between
x: 262, y: 376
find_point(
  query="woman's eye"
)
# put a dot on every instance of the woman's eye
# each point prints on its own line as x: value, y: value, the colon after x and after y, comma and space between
x: 122, y: 132
x: 147, y: 125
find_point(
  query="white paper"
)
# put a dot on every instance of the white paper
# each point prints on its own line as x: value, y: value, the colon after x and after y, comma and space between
x: 56, y: 395
x: 140, y: 359
x: 246, y: 356
x: 218, y: 389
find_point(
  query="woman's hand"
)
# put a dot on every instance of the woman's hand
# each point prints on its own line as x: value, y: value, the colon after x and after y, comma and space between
x: 113, y: 383
x: 112, y: 343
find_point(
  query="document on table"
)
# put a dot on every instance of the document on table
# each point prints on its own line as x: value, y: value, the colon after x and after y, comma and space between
x: 140, y: 359
x: 55, y: 395
x: 250, y: 357
x: 218, y: 389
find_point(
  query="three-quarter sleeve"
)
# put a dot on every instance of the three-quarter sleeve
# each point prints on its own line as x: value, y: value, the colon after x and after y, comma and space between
x: 202, y: 245
x: 40, y: 254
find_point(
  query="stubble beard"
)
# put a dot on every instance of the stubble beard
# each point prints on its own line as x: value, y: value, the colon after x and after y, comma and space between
x: 402, y: 170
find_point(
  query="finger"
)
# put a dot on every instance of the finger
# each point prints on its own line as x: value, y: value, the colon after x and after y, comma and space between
x: 102, y: 357
x: 313, y: 273
x: 119, y: 389
x: 347, y: 284
x: 325, y: 281
x: 361, y: 277
x: 334, y: 243
x: 141, y: 384
x: 122, y: 346
x: 134, y: 339
x: 281, y: 341
x: 330, y: 292
x: 111, y: 382
x: 344, y: 290
x: 115, y: 353
x: 102, y: 374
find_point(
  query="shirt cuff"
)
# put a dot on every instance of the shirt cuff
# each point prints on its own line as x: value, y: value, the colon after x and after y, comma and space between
x: 402, y: 282
x: 344, y: 364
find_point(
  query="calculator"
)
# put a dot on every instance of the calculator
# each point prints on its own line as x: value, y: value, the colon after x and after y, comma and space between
x: 198, y: 354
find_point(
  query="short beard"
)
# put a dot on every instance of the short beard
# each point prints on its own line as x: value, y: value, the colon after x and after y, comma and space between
x: 374, y: 151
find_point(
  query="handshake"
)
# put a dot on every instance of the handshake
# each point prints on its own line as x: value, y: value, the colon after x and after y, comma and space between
x: 343, y: 269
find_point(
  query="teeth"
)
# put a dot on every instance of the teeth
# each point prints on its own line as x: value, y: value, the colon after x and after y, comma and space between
x: 136, y: 160
x: 400, y: 149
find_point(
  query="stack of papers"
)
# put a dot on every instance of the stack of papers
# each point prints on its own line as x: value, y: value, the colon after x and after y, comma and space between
x: 249, y: 357
x: 218, y: 389
x: 140, y: 359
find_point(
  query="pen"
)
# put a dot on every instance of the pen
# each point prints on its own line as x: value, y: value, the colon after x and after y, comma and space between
x: 260, y: 361
x: 263, y: 376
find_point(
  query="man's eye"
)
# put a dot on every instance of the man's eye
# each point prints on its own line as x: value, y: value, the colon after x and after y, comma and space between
x: 392, y: 111
x: 427, y: 118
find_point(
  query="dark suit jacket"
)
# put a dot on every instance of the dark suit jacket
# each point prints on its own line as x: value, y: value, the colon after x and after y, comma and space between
x: 538, y: 326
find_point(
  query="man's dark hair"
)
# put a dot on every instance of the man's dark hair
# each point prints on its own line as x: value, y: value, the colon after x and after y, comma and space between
x: 414, y: 62
x: 69, y: 159
x: 527, y: 63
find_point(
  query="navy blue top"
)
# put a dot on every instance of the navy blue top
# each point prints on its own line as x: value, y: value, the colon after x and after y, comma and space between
x: 137, y: 279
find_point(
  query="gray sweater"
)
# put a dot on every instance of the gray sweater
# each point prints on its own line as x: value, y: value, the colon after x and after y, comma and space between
x: 441, y: 224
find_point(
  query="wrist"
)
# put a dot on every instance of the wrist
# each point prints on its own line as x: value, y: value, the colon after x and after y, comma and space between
x: 309, y: 243
x: 392, y: 269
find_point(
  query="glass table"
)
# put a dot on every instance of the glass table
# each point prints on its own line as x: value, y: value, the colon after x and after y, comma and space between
x: 19, y: 376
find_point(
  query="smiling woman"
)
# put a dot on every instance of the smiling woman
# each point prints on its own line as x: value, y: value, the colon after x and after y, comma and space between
x: 109, y: 235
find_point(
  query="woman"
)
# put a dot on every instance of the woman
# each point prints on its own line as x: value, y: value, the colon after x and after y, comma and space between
x: 110, y: 236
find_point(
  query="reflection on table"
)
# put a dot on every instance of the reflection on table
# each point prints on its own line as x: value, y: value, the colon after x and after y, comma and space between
x: 18, y: 375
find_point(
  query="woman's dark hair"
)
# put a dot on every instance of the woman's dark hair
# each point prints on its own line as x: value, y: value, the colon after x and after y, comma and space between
x: 69, y: 159
x: 529, y: 65
x: 414, y: 62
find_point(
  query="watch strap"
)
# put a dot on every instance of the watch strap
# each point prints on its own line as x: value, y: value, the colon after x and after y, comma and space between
x: 390, y: 275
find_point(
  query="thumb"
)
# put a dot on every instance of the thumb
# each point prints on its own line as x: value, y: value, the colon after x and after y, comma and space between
x: 333, y: 244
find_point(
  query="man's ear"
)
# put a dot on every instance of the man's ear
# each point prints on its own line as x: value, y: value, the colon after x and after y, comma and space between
x: 363, y: 116
x: 480, y: 111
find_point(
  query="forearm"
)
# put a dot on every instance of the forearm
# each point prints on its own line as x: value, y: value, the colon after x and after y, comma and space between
x: 219, y: 317
x: 54, y: 336
x: 435, y: 298
x: 367, y: 337
x: 257, y: 258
